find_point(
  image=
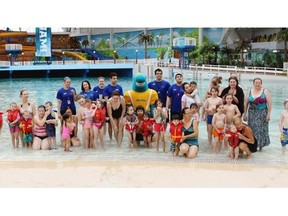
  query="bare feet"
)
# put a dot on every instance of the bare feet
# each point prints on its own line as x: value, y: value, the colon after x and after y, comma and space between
x: 248, y: 156
x: 260, y: 148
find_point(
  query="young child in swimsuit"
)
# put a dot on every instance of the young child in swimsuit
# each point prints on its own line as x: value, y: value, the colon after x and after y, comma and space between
x: 1, y: 121
x: 87, y: 116
x: 67, y: 128
x: 283, y: 127
x: 147, y: 129
x: 51, y: 123
x: 26, y: 125
x: 175, y: 134
x: 233, y: 140
x: 160, y: 115
x: 99, y: 119
x: 131, y: 125
x: 13, y: 117
x: 219, y: 124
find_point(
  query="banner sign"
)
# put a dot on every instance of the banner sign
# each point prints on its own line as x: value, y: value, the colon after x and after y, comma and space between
x: 43, y: 42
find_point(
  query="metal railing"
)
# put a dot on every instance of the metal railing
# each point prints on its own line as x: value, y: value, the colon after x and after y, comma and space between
x: 235, y: 69
x: 157, y: 63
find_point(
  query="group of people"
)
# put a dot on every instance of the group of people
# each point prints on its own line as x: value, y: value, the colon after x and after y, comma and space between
x: 146, y: 117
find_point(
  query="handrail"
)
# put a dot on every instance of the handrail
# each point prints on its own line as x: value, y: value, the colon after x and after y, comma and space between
x: 235, y: 69
x: 155, y: 62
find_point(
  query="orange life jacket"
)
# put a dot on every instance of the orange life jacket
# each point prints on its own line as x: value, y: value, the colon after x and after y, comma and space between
x: 26, y: 126
x: 12, y: 115
x: 176, y: 131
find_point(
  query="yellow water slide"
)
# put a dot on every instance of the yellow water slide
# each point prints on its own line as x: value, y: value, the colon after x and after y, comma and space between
x: 76, y: 55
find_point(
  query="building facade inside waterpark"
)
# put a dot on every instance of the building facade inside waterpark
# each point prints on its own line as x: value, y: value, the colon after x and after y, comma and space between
x: 262, y: 47
x: 224, y: 46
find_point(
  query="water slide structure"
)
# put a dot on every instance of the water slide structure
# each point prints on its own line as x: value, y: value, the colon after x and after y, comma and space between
x: 9, y: 34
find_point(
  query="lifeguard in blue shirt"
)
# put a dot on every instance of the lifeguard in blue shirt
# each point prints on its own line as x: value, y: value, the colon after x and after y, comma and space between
x: 174, y: 96
x: 112, y: 86
x: 160, y: 86
x: 66, y: 97
x: 86, y: 90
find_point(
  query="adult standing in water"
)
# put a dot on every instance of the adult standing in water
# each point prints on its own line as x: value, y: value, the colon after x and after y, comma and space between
x: 99, y: 89
x: 25, y: 105
x: 174, y: 96
x: 86, y: 90
x: 65, y: 99
x: 107, y: 93
x: 116, y: 108
x: 237, y: 92
x: 257, y: 109
x: 160, y: 86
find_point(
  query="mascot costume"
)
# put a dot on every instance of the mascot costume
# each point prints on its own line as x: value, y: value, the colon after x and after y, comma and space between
x: 141, y: 95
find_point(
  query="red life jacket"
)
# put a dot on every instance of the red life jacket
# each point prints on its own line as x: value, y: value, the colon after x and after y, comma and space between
x: 26, y: 126
x: 1, y: 120
x: 176, y: 131
x: 147, y: 126
x: 100, y: 116
x: 233, y: 138
x: 12, y: 115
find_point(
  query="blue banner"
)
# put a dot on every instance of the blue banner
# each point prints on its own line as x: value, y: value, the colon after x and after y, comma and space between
x: 43, y: 42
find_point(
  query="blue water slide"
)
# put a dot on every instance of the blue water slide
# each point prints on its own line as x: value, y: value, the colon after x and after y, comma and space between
x: 95, y: 54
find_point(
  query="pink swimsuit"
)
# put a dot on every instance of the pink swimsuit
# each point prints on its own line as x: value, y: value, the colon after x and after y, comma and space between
x: 66, y: 132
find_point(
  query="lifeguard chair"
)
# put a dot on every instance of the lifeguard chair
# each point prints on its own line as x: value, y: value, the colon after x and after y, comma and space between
x: 184, y: 45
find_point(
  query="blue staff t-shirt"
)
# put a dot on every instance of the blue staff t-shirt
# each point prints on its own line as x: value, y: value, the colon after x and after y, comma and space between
x: 161, y: 88
x: 66, y: 96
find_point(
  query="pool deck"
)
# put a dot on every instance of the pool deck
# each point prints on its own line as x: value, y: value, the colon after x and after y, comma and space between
x: 140, y: 168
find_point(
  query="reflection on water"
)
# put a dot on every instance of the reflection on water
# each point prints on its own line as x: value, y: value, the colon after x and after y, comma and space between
x: 43, y: 90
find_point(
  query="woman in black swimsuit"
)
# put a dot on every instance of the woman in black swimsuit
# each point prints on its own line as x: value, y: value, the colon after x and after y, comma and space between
x: 116, y: 110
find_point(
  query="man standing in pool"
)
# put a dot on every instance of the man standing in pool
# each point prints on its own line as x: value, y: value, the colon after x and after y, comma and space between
x: 174, y: 96
x: 160, y: 86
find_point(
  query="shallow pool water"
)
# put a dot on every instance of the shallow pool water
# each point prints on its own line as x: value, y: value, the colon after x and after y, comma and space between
x: 43, y: 90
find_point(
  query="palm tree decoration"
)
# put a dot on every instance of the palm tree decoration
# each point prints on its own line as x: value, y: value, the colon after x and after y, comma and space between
x: 243, y: 46
x: 146, y: 38
x: 227, y: 52
x: 103, y: 44
x: 85, y: 43
x: 282, y: 35
x: 74, y: 43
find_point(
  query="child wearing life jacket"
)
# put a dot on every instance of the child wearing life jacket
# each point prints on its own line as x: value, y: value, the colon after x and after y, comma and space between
x: 26, y: 125
x: 131, y: 122
x: 175, y: 134
x: 99, y: 119
x: 233, y: 140
x: 147, y: 129
x: 13, y: 117
x: 1, y: 121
